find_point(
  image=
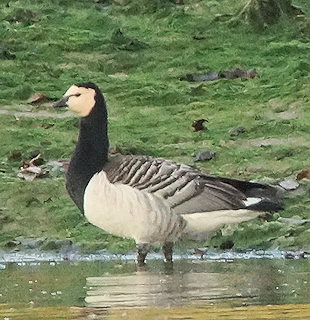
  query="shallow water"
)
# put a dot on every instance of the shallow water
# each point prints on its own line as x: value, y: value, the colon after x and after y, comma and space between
x: 194, y: 289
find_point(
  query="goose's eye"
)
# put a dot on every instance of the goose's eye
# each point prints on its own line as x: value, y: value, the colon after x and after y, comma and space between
x: 78, y: 94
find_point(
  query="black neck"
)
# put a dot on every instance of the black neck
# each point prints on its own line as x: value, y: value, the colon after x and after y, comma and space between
x: 91, y: 152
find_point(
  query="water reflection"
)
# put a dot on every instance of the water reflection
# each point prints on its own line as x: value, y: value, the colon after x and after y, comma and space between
x: 149, y: 289
x: 205, y: 283
x: 239, y: 289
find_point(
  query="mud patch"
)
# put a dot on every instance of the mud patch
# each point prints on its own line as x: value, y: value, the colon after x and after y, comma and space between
x: 285, y: 115
x: 301, y: 141
x: 36, y: 115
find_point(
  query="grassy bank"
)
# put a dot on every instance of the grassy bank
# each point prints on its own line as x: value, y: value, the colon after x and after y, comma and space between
x: 137, y: 55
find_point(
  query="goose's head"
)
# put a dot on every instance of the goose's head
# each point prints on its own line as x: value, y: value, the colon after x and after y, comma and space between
x: 80, y: 98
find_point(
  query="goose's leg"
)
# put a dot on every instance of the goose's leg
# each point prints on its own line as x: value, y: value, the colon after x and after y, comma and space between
x: 142, y: 251
x: 167, y: 250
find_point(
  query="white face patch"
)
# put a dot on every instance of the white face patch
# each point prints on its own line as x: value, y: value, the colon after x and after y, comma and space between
x: 81, y: 100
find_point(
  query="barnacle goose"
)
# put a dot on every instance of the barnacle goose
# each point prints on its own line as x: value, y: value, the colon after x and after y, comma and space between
x: 151, y: 200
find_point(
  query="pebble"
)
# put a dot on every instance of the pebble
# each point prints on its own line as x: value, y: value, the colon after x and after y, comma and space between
x: 289, y: 185
x: 236, y: 131
x: 204, y: 155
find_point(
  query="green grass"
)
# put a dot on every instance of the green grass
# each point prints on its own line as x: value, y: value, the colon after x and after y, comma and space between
x: 150, y: 109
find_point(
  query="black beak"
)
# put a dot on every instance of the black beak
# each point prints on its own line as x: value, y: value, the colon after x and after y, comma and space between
x: 61, y: 103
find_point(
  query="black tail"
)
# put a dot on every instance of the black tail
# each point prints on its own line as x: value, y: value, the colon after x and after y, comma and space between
x: 271, y: 196
x: 267, y: 205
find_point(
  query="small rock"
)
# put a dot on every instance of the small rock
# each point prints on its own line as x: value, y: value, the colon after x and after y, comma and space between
x: 236, y: 131
x: 289, y: 185
x: 208, y: 76
x: 239, y: 73
x: 291, y: 221
x: 204, y: 155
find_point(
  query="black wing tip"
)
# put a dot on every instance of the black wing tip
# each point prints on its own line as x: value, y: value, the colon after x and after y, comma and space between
x: 267, y: 205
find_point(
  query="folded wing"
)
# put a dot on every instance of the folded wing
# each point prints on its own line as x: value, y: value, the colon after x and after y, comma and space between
x: 185, y: 189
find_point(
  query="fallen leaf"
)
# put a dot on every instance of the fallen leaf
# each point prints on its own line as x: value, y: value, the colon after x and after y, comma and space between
x: 30, y: 170
x: 33, y: 170
x: 36, y: 161
x: 304, y: 174
x: 198, y: 125
x: 37, y: 98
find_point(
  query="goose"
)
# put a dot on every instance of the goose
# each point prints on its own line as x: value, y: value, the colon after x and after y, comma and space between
x: 149, y: 199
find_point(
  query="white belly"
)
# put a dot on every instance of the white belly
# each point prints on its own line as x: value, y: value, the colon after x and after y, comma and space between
x: 127, y: 212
